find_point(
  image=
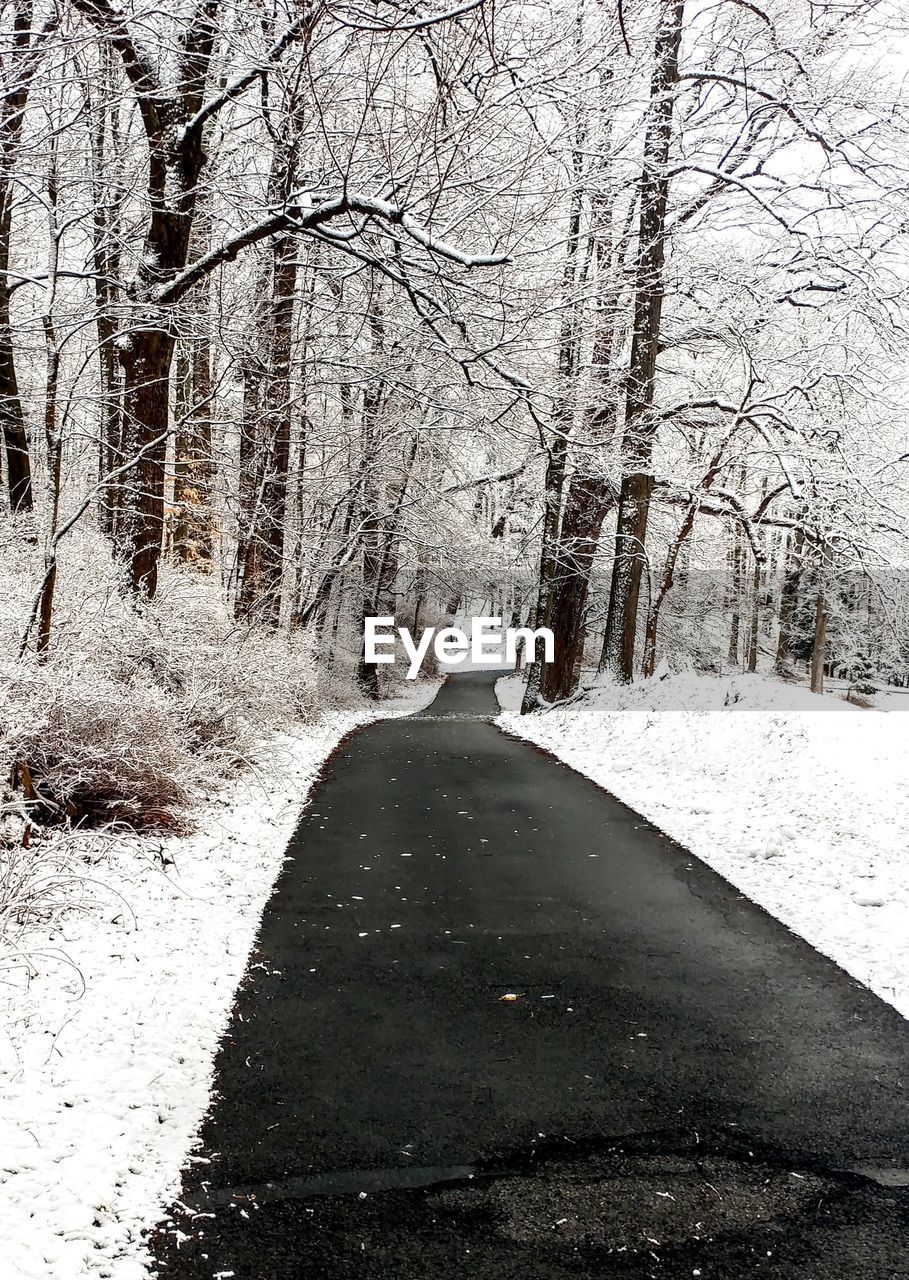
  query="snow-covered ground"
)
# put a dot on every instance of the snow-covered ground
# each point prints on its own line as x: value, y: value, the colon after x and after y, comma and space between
x: 107, y: 1039
x: 800, y: 801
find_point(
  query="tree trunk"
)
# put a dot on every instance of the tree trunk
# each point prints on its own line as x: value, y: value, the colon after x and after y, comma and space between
x: 173, y: 137
x: 193, y: 528
x: 651, y: 631
x: 639, y: 435
x: 554, y: 484
x: 734, y: 598
x: 371, y: 522
x: 792, y: 576
x: 110, y: 442
x: 265, y: 432
x: 819, y: 645
x: 106, y: 266
x: 316, y: 608
x: 277, y: 430
x: 588, y: 501
x: 388, y: 558
x: 302, y: 486
x: 46, y: 608
x: 262, y: 551
x: 246, y: 571
x: 52, y: 434
x: 754, y: 625
x: 12, y: 417
x: 627, y: 572
x: 321, y: 596
x: 676, y: 558
x: 557, y: 460
x: 15, y: 435
x: 146, y: 368
x: 194, y: 532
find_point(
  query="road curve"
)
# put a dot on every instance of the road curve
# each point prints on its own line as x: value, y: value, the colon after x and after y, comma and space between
x: 676, y: 1085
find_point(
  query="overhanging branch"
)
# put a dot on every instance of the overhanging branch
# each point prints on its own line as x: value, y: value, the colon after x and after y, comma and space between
x: 300, y: 218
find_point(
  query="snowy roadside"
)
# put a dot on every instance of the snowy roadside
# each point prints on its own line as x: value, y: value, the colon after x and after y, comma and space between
x: 106, y: 1050
x: 799, y: 801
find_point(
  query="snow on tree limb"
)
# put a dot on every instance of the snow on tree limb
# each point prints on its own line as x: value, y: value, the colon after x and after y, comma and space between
x: 301, y: 219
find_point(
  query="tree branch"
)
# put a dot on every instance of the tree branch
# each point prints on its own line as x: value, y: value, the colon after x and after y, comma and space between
x: 301, y: 219
x: 240, y: 83
x: 136, y: 63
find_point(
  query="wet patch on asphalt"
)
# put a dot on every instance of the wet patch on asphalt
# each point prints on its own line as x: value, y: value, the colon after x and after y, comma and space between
x: 644, y: 1207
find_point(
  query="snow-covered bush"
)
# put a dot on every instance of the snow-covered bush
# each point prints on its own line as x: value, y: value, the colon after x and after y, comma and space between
x: 98, y: 751
x: 141, y: 709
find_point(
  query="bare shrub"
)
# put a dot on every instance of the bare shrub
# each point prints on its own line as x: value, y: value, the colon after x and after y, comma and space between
x: 142, y: 708
x: 230, y: 682
x: 45, y: 875
x: 101, y: 752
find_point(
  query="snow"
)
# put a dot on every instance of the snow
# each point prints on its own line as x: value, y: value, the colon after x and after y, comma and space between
x: 109, y: 1032
x: 798, y: 800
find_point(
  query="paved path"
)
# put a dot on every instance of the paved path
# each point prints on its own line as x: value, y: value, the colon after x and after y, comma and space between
x: 681, y: 1088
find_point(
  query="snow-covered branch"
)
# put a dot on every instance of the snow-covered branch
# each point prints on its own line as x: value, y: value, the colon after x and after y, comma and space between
x: 300, y: 218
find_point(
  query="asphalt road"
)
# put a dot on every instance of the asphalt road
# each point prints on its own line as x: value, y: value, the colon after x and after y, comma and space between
x: 681, y: 1087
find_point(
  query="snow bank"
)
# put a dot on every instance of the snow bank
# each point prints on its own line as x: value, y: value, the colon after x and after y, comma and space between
x: 107, y: 1039
x: 800, y: 801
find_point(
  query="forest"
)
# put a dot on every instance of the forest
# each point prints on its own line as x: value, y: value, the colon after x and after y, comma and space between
x: 584, y: 315
x: 325, y: 322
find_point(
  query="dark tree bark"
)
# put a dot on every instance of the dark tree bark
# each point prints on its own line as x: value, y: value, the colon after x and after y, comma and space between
x: 557, y: 446
x: 15, y: 434
x: 374, y: 395
x: 319, y: 602
x: 789, y: 595
x: 557, y: 449
x: 589, y: 499
x: 173, y: 122
x: 53, y: 437
x: 754, y: 619
x: 146, y: 403
x: 301, y: 511
x: 387, y: 569
x: 640, y: 429
x: 264, y: 529
x: 173, y: 135
x: 12, y: 114
x: 553, y: 486
x: 819, y: 644
x: 734, y: 598
x: 315, y: 610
